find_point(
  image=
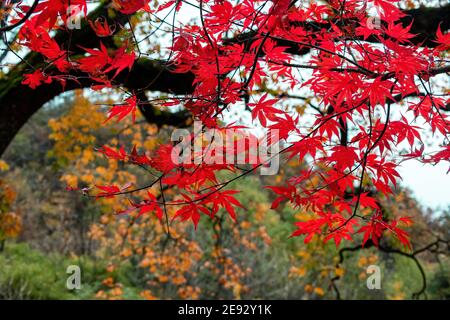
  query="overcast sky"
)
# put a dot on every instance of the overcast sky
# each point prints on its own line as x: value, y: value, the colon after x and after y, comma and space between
x: 429, y: 184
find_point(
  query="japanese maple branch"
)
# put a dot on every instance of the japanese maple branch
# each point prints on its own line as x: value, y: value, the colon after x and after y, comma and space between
x: 366, y: 154
x: 432, y: 247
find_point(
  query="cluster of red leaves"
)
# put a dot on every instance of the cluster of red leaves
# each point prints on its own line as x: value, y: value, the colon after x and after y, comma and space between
x: 357, y: 83
x: 35, y: 34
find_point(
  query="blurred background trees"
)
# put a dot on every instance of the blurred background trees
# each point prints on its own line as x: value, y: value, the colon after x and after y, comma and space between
x: 44, y: 228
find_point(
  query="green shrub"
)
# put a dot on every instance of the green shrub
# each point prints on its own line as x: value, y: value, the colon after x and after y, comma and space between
x: 29, y: 274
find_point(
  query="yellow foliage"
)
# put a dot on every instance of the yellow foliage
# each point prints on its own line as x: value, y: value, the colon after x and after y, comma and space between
x: 3, y: 166
x: 339, y: 272
x: 10, y: 225
x: 319, y: 291
x: 300, y: 272
x: 189, y: 292
x: 398, y: 293
x: 147, y: 295
x: 237, y: 291
x: 362, y: 262
x: 10, y: 222
x: 309, y: 288
x: 372, y: 259
x: 70, y: 180
x: 304, y: 254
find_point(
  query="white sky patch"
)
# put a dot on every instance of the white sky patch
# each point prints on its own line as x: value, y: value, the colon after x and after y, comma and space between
x: 429, y: 184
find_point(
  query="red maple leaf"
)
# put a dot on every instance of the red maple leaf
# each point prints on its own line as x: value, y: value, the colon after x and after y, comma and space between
x: 150, y: 205
x: 113, y: 154
x: 121, y: 61
x: 122, y: 110
x: 343, y: 157
x: 442, y: 39
x: 399, y: 33
x: 264, y: 110
x: 50, y: 10
x: 35, y: 79
x: 101, y: 27
x: 223, y: 199
x: 96, y: 61
x: 131, y: 6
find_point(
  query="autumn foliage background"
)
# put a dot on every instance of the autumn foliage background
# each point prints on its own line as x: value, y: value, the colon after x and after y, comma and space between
x: 362, y: 101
